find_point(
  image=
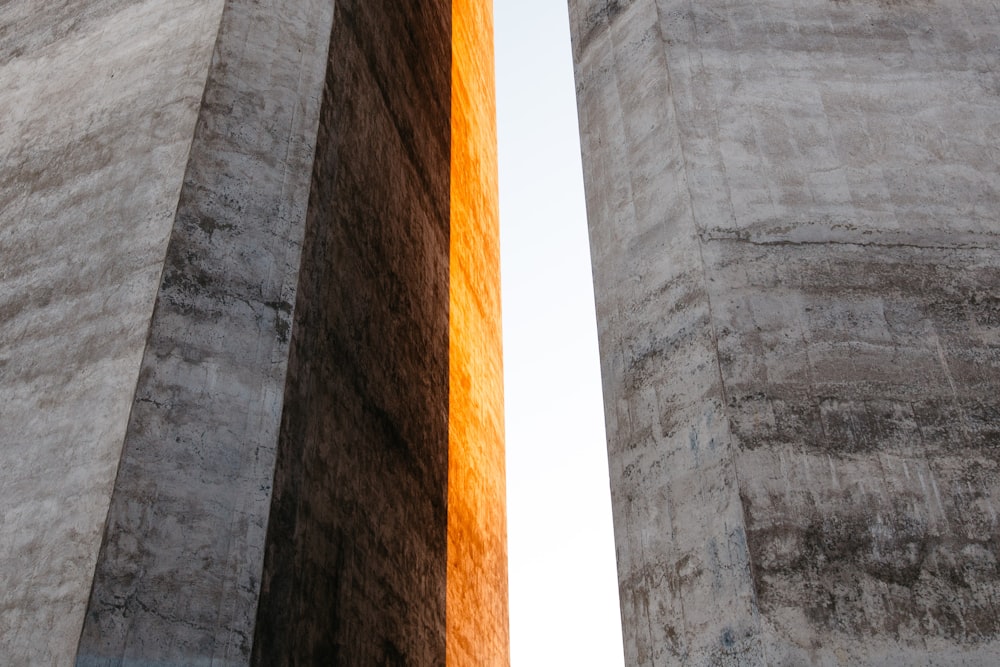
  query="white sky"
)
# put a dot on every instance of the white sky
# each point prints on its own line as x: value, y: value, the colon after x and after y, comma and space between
x: 563, y: 583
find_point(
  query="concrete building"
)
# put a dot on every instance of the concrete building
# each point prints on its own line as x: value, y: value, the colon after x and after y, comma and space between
x: 250, y: 379
x: 794, y: 215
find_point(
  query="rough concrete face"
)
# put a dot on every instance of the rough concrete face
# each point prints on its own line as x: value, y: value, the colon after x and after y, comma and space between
x: 178, y: 575
x: 794, y: 233
x: 356, y: 549
x: 99, y: 102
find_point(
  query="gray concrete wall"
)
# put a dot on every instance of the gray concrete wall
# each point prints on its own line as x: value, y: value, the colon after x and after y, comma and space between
x: 355, y: 571
x: 99, y: 102
x: 178, y: 576
x: 793, y: 211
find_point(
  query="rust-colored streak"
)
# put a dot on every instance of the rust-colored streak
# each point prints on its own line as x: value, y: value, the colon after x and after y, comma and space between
x: 477, y: 622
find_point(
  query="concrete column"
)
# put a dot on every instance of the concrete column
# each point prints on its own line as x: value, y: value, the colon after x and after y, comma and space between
x: 225, y: 271
x: 793, y: 213
x: 179, y: 571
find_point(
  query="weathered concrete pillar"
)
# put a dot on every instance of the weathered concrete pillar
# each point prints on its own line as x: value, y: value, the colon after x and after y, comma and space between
x: 793, y: 214
x: 179, y: 570
x: 234, y: 237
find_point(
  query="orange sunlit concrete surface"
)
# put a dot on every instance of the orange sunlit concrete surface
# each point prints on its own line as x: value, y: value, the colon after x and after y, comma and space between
x: 477, y: 526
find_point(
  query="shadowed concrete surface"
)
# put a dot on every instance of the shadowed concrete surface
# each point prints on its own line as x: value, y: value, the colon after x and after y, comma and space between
x: 99, y: 102
x: 793, y: 214
x: 356, y: 550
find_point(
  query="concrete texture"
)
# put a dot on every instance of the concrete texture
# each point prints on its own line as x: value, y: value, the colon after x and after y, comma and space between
x: 99, y: 102
x: 793, y: 212
x: 225, y: 267
x: 179, y: 569
x: 355, y: 571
